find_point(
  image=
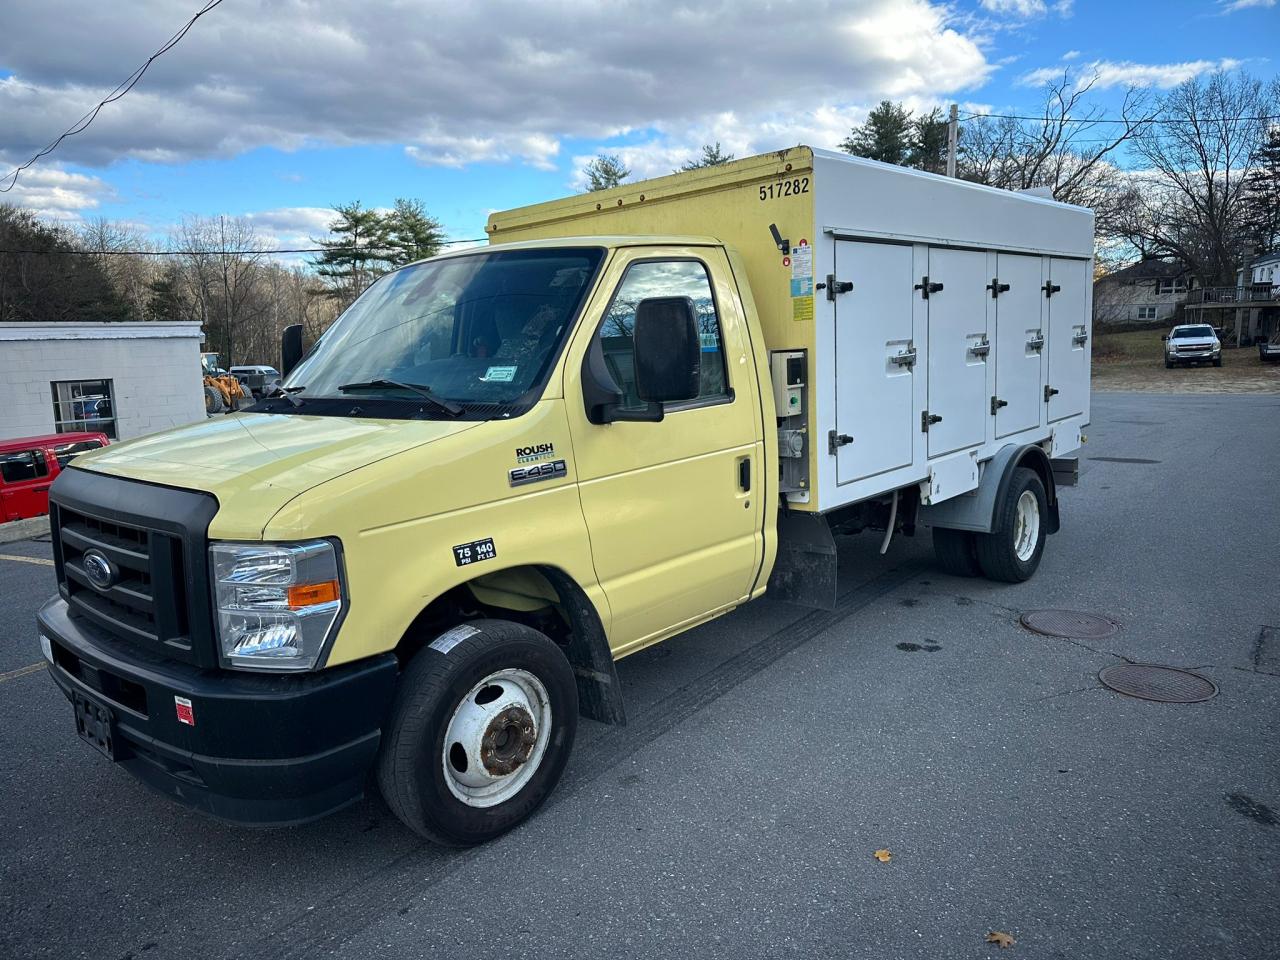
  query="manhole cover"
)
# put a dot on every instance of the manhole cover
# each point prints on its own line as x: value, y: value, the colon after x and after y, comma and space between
x: 1147, y: 681
x: 1068, y: 623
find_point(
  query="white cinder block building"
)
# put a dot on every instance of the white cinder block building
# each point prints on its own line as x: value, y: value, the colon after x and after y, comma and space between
x: 124, y: 379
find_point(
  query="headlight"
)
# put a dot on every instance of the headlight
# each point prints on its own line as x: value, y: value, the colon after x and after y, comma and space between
x: 277, y: 603
x: 1217, y: 348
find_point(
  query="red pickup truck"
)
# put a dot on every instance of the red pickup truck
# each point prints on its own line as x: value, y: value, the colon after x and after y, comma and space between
x: 29, y: 465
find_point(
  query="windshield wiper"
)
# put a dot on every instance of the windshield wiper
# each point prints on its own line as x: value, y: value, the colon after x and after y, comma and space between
x: 287, y: 393
x: 421, y: 389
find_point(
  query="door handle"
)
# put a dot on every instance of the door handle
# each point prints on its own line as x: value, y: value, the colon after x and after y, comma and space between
x: 744, y: 474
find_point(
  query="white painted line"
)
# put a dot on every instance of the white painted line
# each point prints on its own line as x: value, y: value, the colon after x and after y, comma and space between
x: 39, y: 560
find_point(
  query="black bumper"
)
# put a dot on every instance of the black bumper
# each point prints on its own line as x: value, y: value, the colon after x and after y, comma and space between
x: 264, y: 750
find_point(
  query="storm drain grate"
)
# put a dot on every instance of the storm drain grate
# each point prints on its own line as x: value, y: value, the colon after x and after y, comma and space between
x: 1149, y: 681
x: 1068, y: 624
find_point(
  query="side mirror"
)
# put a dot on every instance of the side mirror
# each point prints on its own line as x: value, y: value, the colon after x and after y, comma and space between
x: 290, y: 348
x: 668, y: 352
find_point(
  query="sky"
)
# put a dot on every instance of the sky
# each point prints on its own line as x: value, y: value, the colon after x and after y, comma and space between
x: 278, y: 109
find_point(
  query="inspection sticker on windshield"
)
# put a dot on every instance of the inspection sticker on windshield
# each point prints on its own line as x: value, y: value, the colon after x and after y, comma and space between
x: 474, y: 552
x: 499, y: 375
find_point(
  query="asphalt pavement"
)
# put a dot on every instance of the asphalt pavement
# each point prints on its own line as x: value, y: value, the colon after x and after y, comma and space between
x: 769, y: 755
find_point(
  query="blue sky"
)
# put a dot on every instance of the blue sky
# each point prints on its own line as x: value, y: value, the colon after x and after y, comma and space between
x: 277, y: 109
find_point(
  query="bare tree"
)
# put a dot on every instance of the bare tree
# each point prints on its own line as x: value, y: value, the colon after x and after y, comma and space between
x: 223, y: 268
x: 1066, y: 148
x: 131, y: 275
x: 1191, y: 205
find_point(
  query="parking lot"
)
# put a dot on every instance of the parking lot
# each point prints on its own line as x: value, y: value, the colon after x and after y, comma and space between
x: 769, y: 754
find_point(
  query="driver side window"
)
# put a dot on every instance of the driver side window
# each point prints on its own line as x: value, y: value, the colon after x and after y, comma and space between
x: 662, y: 278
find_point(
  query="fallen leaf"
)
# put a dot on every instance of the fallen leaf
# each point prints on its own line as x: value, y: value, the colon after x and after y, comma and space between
x: 884, y: 856
x: 997, y: 936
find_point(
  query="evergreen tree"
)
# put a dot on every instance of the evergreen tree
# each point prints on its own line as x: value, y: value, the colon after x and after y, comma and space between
x: 410, y: 233
x: 887, y: 135
x: 354, y: 253
x: 605, y: 171
x: 929, y: 142
x: 711, y: 157
x: 1261, y: 211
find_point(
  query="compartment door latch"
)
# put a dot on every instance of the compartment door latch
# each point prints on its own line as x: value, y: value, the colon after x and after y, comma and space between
x: 927, y: 419
x: 1050, y: 392
x: 834, y: 286
x: 837, y: 440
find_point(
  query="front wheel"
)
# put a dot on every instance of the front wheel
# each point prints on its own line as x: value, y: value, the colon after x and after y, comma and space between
x: 482, y: 726
x: 1013, y: 553
x: 1217, y: 361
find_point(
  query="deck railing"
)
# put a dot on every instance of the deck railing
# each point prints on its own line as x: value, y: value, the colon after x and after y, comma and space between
x: 1232, y: 296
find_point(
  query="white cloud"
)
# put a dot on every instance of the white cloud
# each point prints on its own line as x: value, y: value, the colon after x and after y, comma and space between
x: 57, y: 194
x: 1124, y: 73
x: 1231, y: 6
x: 1071, y: 55
x: 457, y: 83
x: 291, y: 226
x: 1029, y: 9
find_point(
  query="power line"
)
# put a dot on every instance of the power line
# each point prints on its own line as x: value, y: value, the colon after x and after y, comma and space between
x: 1135, y: 123
x: 373, y: 251
x: 121, y: 89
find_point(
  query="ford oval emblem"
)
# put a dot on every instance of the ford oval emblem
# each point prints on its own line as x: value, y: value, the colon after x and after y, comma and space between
x: 100, y: 571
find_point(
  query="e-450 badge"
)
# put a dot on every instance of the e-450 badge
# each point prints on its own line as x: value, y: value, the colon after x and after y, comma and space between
x: 540, y: 471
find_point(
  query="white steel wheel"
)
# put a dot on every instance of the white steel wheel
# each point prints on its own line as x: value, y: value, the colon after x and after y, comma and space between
x: 1026, y: 526
x: 496, y: 738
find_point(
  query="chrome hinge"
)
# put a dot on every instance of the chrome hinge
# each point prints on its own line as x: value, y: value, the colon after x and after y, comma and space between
x: 1080, y: 337
x: 996, y: 404
x: 927, y: 418
x: 981, y: 348
x: 1036, y: 342
x: 837, y: 440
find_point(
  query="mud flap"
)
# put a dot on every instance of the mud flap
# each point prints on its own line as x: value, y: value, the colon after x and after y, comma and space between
x: 805, y: 571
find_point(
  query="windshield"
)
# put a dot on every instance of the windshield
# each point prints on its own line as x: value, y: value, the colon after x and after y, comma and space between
x: 480, y: 328
x: 1182, y: 332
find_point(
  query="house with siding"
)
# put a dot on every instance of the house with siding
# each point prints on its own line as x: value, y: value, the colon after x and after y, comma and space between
x: 1149, y: 291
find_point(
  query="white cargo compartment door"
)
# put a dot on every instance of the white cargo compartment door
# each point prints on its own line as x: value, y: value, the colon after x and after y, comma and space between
x: 958, y: 349
x: 1068, y: 335
x: 873, y: 359
x: 1019, y: 344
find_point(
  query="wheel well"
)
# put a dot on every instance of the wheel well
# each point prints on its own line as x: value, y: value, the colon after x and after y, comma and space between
x: 546, y: 599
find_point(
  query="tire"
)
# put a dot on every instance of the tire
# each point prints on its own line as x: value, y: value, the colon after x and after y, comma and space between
x: 1217, y: 362
x: 212, y: 400
x: 510, y: 746
x: 1168, y: 364
x: 956, y: 552
x: 1013, y: 554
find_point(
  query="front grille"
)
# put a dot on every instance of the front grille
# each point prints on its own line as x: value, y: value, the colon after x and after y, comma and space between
x: 147, y: 603
x: 1200, y: 348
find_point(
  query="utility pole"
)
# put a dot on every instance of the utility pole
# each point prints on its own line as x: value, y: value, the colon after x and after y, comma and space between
x: 952, y: 135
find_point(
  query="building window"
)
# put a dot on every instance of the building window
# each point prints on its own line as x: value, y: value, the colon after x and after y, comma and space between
x: 1170, y: 285
x: 1146, y: 313
x: 663, y: 278
x: 84, y: 406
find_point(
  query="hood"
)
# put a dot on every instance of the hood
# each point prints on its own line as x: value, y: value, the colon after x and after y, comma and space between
x: 1194, y: 341
x: 263, y: 460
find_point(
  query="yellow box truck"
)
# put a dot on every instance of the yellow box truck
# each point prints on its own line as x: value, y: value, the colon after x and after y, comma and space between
x: 505, y: 468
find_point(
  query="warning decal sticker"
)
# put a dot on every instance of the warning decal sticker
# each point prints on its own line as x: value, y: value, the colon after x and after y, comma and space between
x: 802, y: 281
x: 802, y: 309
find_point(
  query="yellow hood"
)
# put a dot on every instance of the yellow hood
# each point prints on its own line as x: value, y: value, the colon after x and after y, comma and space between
x: 262, y: 461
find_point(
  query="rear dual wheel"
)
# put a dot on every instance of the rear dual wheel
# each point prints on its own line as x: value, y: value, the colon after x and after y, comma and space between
x: 1012, y: 551
x: 483, y: 723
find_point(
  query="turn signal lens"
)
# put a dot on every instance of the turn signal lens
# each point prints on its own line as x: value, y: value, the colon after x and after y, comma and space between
x: 309, y: 594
